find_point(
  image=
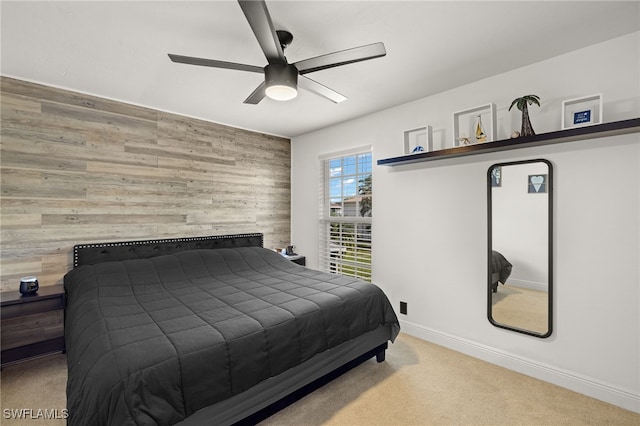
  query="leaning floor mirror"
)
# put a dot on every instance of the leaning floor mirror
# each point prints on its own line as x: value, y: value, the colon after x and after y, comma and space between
x: 520, y: 212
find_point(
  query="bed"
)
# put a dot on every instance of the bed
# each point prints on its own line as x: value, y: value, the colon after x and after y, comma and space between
x: 500, y: 270
x: 207, y: 330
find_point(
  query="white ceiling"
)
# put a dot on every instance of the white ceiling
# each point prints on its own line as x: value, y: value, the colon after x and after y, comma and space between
x: 118, y: 50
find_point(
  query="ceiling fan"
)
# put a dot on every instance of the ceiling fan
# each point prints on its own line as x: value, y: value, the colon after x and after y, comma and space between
x: 281, y: 79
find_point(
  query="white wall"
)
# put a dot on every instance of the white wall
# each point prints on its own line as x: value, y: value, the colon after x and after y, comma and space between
x: 430, y: 221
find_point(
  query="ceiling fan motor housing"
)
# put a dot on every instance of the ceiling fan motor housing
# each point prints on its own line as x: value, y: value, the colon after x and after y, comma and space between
x: 281, y: 81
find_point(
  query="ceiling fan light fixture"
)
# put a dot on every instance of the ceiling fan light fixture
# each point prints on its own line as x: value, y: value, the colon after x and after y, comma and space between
x: 281, y: 81
x: 281, y: 92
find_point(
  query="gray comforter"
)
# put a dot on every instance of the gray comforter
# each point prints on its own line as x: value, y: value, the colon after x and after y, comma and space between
x: 500, y: 266
x: 152, y: 341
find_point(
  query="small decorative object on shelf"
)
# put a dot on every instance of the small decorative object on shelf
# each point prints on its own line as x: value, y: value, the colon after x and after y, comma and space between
x: 418, y: 140
x: 481, y: 136
x: 464, y: 140
x: 479, y: 122
x: 521, y: 104
x: 580, y: 112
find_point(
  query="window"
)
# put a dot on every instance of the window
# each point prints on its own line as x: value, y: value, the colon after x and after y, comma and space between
x: 345, y: 219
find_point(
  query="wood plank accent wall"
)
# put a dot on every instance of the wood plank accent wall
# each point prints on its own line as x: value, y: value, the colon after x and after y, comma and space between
x: 77, y: 169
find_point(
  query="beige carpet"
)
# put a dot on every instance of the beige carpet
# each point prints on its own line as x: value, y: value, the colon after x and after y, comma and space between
x: 35, y: 384
x: 521, y: 307
x: 419, y: 384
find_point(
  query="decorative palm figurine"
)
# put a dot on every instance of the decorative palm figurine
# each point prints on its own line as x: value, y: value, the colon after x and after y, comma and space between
x: 521, y: 104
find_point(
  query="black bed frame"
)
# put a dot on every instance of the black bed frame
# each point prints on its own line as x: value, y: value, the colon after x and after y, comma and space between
x: 90, y: 254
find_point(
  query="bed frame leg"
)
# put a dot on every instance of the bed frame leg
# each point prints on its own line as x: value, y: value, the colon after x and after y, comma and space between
x: 380, y: 354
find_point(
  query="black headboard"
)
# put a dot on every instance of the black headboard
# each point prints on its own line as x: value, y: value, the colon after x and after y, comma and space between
x: 90, y: 254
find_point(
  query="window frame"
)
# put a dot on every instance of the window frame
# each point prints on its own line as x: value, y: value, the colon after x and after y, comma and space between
x: 352, y: 256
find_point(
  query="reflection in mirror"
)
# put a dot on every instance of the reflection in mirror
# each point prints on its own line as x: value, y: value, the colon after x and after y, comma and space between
x: 520, y: 206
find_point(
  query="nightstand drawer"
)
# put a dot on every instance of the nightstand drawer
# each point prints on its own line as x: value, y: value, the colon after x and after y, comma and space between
x: 32, y: 325
x: 21, y: 309
x: 28, y: 329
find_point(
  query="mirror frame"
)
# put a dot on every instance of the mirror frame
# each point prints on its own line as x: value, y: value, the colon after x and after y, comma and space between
x: 550, y: 184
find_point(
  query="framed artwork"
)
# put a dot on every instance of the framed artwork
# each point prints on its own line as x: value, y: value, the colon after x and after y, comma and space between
x: 474, y: 125
x: 537, y: 184
x: 418, y: 140
x: 580, y: 112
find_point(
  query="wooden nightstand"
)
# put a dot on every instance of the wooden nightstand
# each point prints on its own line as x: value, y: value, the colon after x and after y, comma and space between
x: 32, y: 325
x: 300, y: 260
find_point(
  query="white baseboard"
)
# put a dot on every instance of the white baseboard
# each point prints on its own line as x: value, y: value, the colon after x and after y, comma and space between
x: 563, y: 378
x: 532, y: 285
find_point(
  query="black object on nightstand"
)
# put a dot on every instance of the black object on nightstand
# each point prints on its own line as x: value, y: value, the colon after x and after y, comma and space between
x: 32, y: 325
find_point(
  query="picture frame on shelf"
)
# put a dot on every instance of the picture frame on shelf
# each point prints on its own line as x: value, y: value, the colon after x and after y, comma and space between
x: 418, y: 140
x: 474, y: 125
x: 584, y: 111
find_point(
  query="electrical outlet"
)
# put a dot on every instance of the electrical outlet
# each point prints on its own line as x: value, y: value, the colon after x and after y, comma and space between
x: 403, y: 308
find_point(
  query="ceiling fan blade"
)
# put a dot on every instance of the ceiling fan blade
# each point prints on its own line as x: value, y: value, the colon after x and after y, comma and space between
x: 343, y: 57
x: 315, y: 87
x: 259, y: 19
x: 257, y: 95
x: 213, y: 63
